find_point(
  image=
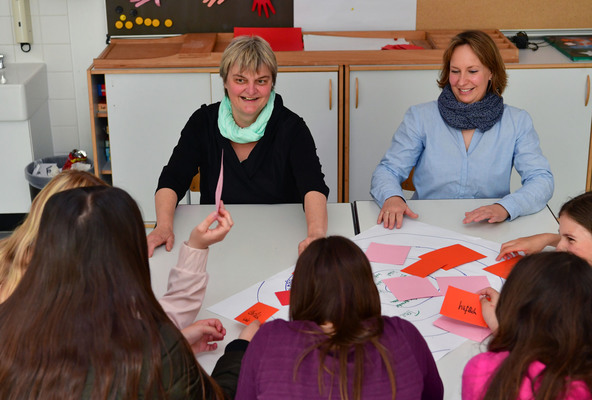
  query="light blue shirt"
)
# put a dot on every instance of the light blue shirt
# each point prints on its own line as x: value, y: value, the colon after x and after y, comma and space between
x: 444, y: 169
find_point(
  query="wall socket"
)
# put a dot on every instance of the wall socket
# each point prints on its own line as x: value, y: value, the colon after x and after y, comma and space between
x: 21, y: 15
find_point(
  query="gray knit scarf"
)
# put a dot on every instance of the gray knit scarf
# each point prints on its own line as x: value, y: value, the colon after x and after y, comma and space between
x: 481, y: 115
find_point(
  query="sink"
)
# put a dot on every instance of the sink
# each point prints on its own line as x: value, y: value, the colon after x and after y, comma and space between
x: 24, y: 92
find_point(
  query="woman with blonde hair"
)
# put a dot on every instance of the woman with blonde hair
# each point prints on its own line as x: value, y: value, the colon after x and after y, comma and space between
x: 15, y: 250
x: 83, y: 323
x: 269, y: 153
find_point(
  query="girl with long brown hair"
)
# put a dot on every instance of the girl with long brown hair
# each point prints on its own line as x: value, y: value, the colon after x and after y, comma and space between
x: 542, y: 347
x: 83, y: 323
x: 337, y: 344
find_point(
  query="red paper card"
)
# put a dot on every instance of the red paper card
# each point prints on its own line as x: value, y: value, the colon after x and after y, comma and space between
x: 259, y: 311
x: 280, y: 39
x: 283, y: 297
x: 422, y: 268
x: 503, y: 268
x: 452, y: 256
x: 463, y: 306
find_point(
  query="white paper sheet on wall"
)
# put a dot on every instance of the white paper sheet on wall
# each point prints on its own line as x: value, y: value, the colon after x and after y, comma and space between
x: 355, y: 15
x: 328, y: 43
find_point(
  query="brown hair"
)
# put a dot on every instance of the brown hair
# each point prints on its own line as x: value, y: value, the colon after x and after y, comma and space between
x: 544, y: 313
x: 15, y: 250
x: 579, y: 209
x: 333, y: 282
x: 249, y: 53
x: 85, y: 311
x: 486, y: 50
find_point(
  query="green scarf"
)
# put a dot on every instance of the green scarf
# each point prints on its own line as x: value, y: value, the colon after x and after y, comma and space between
x: 252, y: 133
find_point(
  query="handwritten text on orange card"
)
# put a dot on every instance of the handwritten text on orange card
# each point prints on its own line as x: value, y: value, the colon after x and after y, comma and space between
x: 463, y: 306
x: 259, y: 311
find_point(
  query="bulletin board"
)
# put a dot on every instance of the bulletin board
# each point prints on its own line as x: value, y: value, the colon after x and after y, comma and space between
x: 172, y: 17
x: 504, y: 14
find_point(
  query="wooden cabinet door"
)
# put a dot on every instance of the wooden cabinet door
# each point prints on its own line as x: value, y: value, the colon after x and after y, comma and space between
x: 378, y: 101
x: 555, y: 99
x: 146, y: 115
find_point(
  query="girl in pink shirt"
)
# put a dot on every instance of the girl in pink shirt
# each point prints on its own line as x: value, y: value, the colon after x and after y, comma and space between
x: 542, y: 347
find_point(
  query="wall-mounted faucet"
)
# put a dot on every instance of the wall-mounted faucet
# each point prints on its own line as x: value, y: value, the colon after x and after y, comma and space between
x: 1, y: 61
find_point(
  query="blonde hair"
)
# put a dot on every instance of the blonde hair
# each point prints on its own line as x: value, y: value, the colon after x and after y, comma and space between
x: 16, y: 250
x: 249, y: 53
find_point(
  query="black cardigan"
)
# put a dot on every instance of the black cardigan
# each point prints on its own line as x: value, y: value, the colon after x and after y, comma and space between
x: 282, y: 167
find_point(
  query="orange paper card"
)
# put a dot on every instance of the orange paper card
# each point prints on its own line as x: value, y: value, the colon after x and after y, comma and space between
x: 503, y: 268
x: 259, y: 311
x: 463, y: 306
x: 452, y: 256
x: 422, y: 268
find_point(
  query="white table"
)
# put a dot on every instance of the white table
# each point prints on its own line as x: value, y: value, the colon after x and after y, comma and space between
x: 263, y: 241
x: 449, y: 214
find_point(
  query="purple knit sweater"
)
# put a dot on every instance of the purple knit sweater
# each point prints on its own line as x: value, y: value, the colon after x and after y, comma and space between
x: 268, y: 366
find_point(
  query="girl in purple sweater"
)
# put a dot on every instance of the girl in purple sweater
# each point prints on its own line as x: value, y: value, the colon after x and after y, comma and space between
x: 337, y: 344
x: 542, y: 347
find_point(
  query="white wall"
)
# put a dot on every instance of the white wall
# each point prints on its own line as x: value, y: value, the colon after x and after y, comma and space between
x: 67, y: 35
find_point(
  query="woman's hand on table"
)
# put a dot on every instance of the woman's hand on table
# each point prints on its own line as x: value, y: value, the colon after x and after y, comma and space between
x: 250, y: 330
x: 489, y: 298
x: 159, y: 236
x: 527, y: 245
x: 202, y: 333
x: 202, y: 236
x: 492, y: 213
x: 392, y: 212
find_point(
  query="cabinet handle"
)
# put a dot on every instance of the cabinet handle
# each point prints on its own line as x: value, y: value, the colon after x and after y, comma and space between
x: 587, y: 90
x: 356, y: 92
x: 330, y: 94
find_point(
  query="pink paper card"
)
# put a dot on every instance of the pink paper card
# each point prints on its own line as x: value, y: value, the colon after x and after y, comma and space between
x: 469, y: 283
x: 473, y: 332
x: 283, y: 297
x: 259, y: 311
x: 410, y: 287
x: 387, y: 253
x: 463, y: 306
x: 220, y: 183
x: 503, y: 268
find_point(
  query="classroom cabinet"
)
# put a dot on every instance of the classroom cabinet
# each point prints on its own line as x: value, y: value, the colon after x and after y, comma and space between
x: 146, y: 112
x: 146, y: 115
x: 378, y: 101
x: 556, y: 99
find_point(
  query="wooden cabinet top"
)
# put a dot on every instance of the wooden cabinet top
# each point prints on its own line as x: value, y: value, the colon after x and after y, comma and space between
x: 196, y: 50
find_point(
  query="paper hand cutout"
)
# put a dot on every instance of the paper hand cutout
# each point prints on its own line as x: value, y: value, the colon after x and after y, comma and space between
x: 142, y: 2
x: 212, y: 2
x: 263, y: 4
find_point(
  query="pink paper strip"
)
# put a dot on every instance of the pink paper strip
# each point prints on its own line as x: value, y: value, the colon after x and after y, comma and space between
x: 387, y: 253
x: 220, y: 183
x: 473, y: 332
x: 410, y: 287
